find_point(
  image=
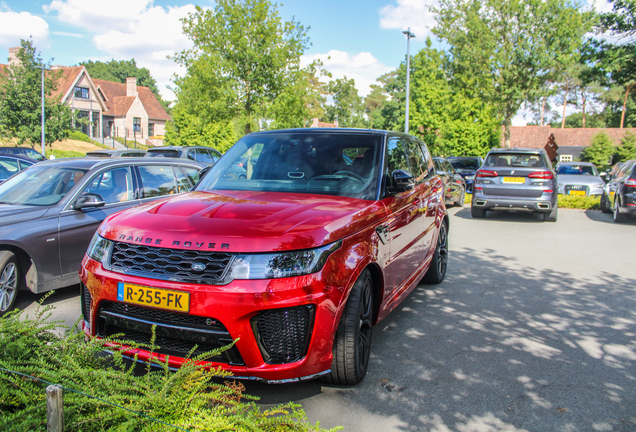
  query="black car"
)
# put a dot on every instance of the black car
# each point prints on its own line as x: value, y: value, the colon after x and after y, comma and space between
x: 49, y: 213
x: 619, y: 196
x: 466, y: 166
x: 516, y: 179
x: 202, y: 154
x: 24, y: 152
x: 117, y: 153
x: 13, y: 164
x: 454, y: 184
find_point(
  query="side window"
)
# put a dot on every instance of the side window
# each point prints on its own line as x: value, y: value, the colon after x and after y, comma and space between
x: 192, y: 154
x: 215, y: 155
x: 438, y: 166
x: 416, y: 161
x: 183, y: 183
x: 448, y: 168
x: 114, y: 186
x: 430, y: 167
x: 204, y: 156
x: 396, y: 157
x: 8, y: 167
x: 24, y: 165
x: 157, y: 181
x: 192, y: 174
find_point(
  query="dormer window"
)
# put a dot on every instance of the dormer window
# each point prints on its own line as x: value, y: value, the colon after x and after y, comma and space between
x: 81, y: 92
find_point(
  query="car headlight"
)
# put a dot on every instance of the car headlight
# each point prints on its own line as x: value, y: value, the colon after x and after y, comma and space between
x: 281, y: 264
x: 600, y: 185
x: 99, y: 248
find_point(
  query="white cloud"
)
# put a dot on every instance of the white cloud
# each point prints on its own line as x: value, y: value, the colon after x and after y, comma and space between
x: 362, y: 67
x: 15, y: 26
x: 144, y: 32
x: 409, y: 13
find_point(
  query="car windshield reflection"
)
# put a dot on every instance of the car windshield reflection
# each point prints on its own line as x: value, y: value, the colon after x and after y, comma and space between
x: 39, y: 185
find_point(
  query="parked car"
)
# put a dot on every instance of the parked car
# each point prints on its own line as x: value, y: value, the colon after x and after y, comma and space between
x: 516, y: 179
x: 466, y: 166
x: 619, y: 196
x: 579, y: 178
x: 454, y: 184
x: 49, y: 213
x: 329, y: 232
x: 117, y: 153
x: 202, y: 154
x: 23, y: 151
x: 13, y: 164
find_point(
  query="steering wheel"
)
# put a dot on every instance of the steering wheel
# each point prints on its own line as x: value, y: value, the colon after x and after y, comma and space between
x: 350, y: 174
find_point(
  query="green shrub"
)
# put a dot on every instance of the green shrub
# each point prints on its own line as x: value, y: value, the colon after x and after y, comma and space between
x: 79, y: 136
x: 107, y: 388
x: 60, y: 154
x: 580, y: 202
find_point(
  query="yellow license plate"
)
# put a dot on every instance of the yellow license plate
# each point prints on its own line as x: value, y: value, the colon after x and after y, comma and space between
x: 153, y: 297
x: 513, y: 180
x: 576, y: 192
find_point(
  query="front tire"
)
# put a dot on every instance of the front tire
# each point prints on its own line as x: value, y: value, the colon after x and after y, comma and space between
x: 352, y: 344
x: 9, y: 281
x: 605, y: 205
x: 439, y: 262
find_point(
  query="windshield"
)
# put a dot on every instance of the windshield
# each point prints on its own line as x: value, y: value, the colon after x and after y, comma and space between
x: 39, y: 185
x: 472, y: 163
x: 300, y: 162
x: 523, y: 160
x: 163, y: 153
x: 577, y: 170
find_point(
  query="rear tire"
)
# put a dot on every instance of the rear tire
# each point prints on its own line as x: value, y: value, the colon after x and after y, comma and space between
x: 460, y: 200
x: 352, y: 344
x: 477, y: 213
x: 9, y: 281
x: 605, y: 205
x: 553, y: 215
x: 439, y: 262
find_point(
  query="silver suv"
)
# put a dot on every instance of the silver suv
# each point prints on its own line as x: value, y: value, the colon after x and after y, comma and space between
x: 516, y: 179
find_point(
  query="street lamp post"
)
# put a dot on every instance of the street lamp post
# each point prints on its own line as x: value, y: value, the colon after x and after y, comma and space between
x: 43, y: 68
x: 409, y: 35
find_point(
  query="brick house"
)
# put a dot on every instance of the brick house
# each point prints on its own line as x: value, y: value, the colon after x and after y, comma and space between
x: 114, y: 109
x: 571, y: 141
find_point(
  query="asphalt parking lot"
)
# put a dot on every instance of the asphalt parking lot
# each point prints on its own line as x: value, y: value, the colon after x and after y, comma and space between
x: 534, y: 329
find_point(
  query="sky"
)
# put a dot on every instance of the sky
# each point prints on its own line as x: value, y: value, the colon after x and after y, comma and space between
x: 359, y: 39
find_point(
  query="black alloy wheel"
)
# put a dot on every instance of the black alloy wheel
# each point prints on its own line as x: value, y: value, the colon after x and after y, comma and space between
x: 460, y: 200
x: 352, y: 344
x: 9, y: 281
x: 439, y: 262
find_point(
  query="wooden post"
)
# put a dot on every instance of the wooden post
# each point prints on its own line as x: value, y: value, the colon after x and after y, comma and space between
x: 54, y: 409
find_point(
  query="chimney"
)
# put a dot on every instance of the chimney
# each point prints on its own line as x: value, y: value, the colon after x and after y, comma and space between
x: 13, y: 56
x: 131, y: 86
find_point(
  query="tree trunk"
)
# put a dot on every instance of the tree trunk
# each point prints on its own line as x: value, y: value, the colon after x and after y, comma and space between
x: 248, y: 128
x: 624, y: 105
x: 584, y: 100
x: 565, y: 103
x: 507, y: 126
x: 543, y: 109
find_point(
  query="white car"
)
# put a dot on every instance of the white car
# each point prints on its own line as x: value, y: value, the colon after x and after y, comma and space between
x: 579, y: 178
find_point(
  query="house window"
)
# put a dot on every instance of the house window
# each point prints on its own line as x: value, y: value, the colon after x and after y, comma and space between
x: 137, y: 124
x: 81, y: 92
x: 84, y: 121
x: 565, y: 158
x: 151, y: 129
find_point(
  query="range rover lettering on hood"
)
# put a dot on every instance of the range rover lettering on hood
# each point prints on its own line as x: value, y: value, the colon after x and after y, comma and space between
x: 195, y: 244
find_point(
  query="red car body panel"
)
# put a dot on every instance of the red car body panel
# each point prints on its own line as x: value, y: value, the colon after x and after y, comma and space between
x: 253, y: 222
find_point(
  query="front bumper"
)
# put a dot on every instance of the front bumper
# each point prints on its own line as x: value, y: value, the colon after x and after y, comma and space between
x: 283, y: 328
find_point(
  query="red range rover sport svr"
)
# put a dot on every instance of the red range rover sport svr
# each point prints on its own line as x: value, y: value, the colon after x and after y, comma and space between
x: 293, y: 245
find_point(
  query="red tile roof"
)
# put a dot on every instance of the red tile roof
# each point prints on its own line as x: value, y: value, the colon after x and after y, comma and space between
x: 68, y: 75
x: 118, y: 103
x: 537, y: 136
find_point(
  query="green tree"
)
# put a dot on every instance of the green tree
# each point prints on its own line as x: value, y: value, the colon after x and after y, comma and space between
x: 347, y: 106
x: 510, y: 48
x: 188, y: 129
x: 373, y: 103
x: 249, y: 53
x: 600, y: 151
x: 626, y: 150
x: 119, y: 70
x: 21, y: 101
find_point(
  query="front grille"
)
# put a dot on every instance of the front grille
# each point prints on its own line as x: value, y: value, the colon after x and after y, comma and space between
x: 581, y: 188
x: 169, y: 264
x: 176, y: 333
x: 283, y: 334
x: 85, y: 299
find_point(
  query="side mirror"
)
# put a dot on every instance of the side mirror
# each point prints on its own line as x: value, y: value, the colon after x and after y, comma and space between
x: 88, y: 201
x: 403, y: 180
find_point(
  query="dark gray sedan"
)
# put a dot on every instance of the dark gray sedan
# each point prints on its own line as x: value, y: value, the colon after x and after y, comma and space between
x: 49, y: 213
